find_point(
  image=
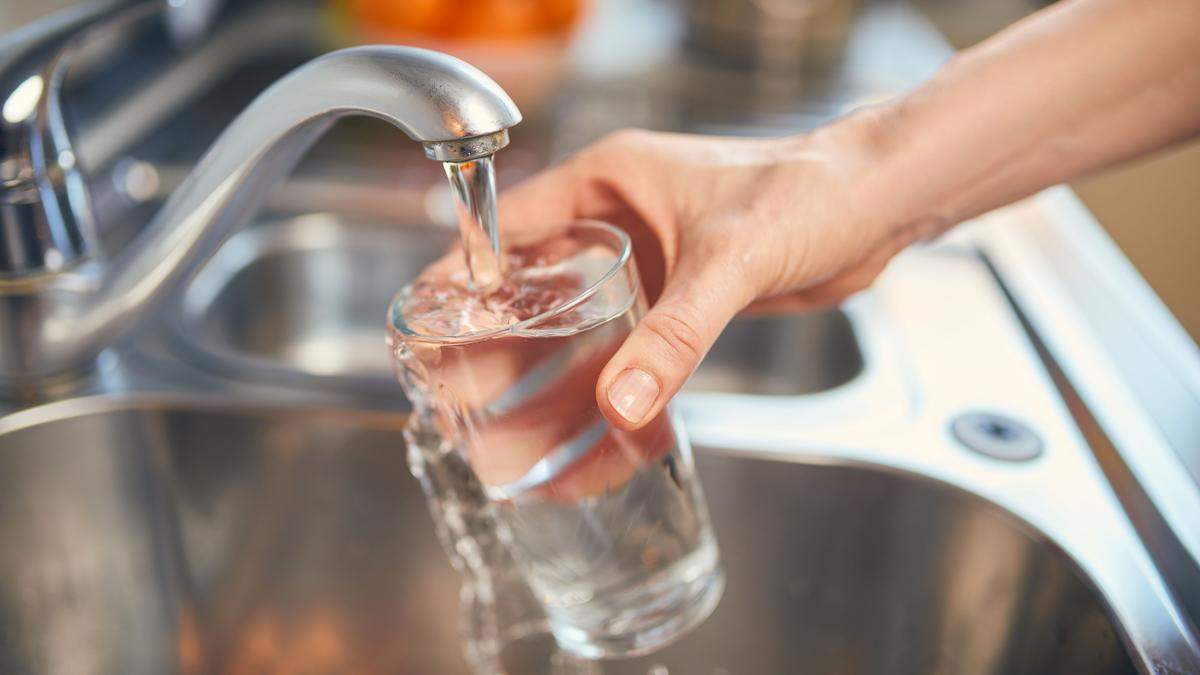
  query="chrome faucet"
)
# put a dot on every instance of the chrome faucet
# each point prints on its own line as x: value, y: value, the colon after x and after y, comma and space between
x: 45, y: 217
x: 56, y: 319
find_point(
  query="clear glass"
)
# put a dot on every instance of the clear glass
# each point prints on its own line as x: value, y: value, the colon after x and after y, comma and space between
x: 503, y: 627
x: 609, y: 528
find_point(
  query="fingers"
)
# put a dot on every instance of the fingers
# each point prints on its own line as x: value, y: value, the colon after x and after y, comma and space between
x: 669, y: 342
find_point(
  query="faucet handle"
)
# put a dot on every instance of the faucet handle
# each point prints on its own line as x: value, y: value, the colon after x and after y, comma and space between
x: 46, y: 220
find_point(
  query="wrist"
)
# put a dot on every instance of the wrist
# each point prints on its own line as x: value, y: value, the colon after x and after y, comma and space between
x: 885, y: 181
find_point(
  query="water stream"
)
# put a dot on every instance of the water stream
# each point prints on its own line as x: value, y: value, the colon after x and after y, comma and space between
x: 503, y: 627
x: 474, y: 187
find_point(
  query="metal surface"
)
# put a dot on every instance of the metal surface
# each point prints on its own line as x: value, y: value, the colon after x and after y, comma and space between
x: 45, y: 216
x: 302, y: 301
x: 63, y: 321
x: 776, y: 34
x: 136, y: 119
x: 953, y: 582
x: 938, y: 337
x: 298, y: 301
x: 156, y: 537
x: 1127, y: 359
x: 781, y: 356
x: 464, y: 150
x: 996, y: 436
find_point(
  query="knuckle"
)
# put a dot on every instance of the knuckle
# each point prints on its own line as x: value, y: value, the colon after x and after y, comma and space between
x: 677, y: 332
x: 615, y: 158
x: 623, y: 139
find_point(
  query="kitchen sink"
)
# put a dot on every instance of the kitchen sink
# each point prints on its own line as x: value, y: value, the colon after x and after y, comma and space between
x: 171, y: 535
x: 303, y: 300
x: 781, y: 356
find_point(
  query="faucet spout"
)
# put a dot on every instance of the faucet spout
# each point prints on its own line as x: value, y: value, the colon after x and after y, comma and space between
x: 456, y: 111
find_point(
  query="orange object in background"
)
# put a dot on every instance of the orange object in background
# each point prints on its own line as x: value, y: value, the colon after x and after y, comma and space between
x: 462, y: 19
x: 519, y: 43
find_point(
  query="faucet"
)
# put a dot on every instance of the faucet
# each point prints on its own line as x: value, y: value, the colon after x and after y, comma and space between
x: 45, y: 215
x: 56, y: 319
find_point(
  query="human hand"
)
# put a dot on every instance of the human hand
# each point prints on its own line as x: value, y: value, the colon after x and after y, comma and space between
x: 718, y: 225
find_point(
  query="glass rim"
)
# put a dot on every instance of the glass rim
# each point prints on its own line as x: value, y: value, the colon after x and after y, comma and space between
x: 624, y: 257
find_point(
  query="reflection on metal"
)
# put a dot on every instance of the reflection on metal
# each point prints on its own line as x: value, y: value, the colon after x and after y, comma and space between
x: 21, y: 102
x: 219, y: 528
x: 849, y: 508
x: 240, y: 314
x: 46, y: 221
x: 138, y: 181
x: 1126, y: 356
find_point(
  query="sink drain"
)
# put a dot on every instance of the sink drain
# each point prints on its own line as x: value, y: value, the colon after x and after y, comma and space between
x: 996, y: 436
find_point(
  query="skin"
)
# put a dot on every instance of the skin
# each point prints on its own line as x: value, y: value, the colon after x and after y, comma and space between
x: 721, y: 225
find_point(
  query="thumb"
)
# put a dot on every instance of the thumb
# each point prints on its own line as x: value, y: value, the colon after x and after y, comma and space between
x: 670, y: 340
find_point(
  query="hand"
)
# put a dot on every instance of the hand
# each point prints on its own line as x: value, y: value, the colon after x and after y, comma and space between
x: 722, y: 224
x: 718, y: 225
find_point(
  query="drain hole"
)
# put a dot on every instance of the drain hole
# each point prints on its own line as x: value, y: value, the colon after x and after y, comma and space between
x: 999, y: 431
x: 996, y: 436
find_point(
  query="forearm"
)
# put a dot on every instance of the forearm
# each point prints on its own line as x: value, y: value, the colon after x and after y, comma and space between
x: 1071, y: 90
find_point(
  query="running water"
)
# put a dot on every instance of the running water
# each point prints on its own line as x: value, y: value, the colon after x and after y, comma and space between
x: 474, y: 186
x: 503, y: 627
x: 606, y: 527
x: 559, y: 523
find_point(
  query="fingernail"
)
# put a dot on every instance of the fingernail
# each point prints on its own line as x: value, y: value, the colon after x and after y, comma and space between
x: 633, y: 393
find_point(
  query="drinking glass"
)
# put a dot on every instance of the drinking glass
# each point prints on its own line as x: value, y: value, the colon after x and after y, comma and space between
x: 608, y: 527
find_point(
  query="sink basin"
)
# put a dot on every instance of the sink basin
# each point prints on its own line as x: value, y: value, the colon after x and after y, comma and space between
x: 159, y: 536
x: 303, y: 300
x: 781, y: 355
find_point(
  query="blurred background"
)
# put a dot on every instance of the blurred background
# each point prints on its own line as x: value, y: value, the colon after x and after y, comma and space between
x: 582, y: 67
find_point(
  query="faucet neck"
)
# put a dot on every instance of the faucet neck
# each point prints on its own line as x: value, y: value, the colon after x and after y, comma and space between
x: 455, y: 110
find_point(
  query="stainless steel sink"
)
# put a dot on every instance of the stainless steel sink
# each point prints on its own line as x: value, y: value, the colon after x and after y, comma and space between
x: 860, y: 536
x: 781, y: 356
x: 300, y: 300
x: 303, y: 300
x: 155, y: 536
